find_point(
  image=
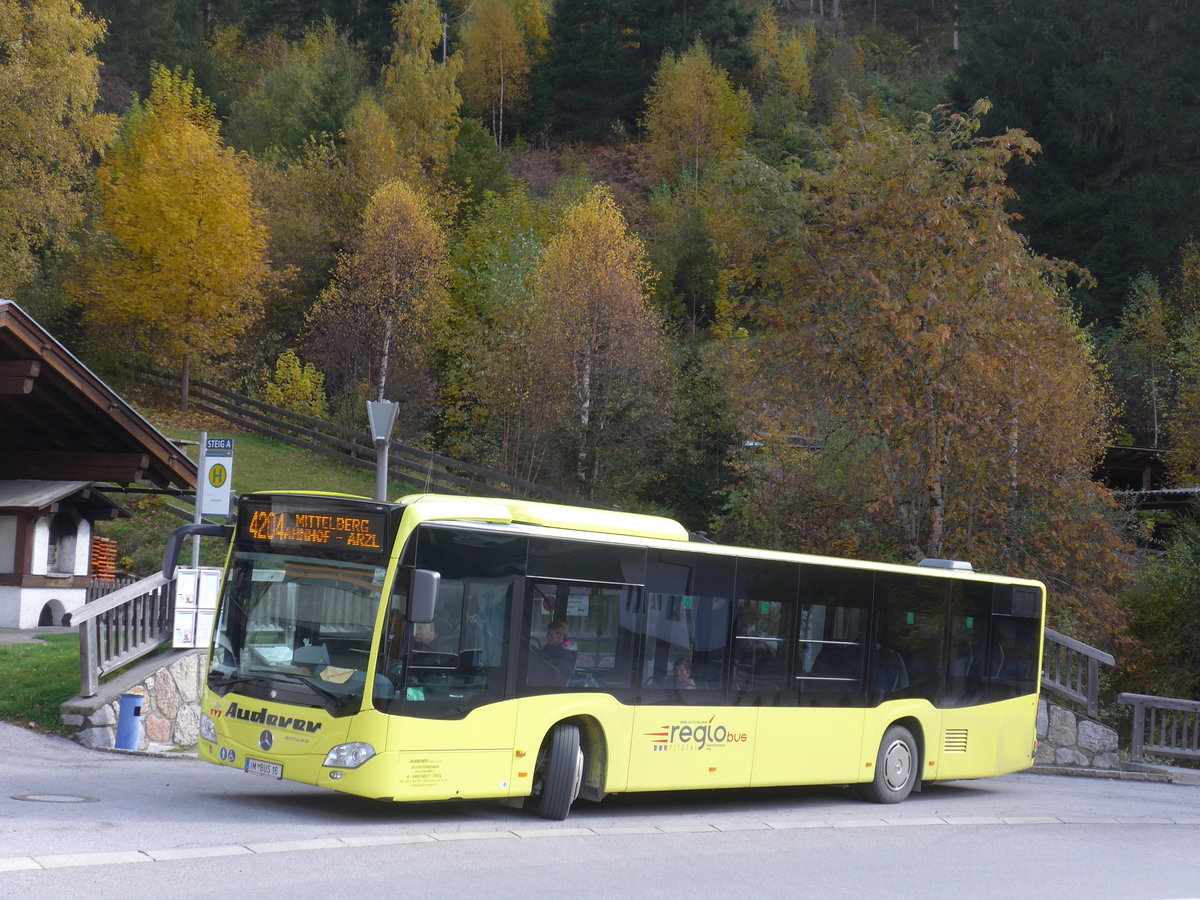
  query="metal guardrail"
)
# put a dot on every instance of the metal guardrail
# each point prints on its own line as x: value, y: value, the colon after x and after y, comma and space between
x: 1163, y: 725
x: 121, y: 627
x: 1071, y: 669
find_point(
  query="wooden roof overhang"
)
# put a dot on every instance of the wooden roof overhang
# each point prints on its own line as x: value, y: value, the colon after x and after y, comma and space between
x: 59, y: 422
x: 45, y: 498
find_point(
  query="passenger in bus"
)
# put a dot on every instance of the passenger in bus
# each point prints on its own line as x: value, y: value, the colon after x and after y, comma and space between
x: 681, y: 675
x: 559, y: 651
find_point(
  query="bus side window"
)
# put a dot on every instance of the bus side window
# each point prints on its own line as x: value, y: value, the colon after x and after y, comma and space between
x: 908, y: 653
x: 831, y: 650
x: 575, y: 639
x: 966, y: 663
x: 688, y: 617
x: 766, y: 605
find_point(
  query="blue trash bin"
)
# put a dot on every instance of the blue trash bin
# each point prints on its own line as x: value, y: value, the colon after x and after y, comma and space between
x: 129, y: 722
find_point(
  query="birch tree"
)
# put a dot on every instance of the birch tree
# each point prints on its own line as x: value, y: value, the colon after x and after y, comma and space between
x: 495, y: 75
x: 601, y: 341
x: 385, y: 292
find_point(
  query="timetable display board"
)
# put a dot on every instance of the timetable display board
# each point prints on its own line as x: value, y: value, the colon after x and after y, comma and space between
x: 327, y: 526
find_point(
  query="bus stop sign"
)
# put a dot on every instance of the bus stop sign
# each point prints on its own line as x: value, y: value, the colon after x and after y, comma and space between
x: 216, y: 474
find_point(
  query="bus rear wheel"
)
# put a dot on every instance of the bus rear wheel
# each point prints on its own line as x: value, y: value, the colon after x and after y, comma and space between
x: 562, y: 774
x: 897, y: 766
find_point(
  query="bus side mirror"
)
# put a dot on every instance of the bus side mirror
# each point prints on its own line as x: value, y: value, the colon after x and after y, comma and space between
x: 182, y: 533
x: 422, y: 595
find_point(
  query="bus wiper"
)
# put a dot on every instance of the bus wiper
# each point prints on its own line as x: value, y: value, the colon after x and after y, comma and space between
x: 219, y: 679
x: 225, y: 681
x: 311, y: 684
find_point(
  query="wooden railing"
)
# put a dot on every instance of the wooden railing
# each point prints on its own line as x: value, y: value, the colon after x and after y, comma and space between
x: 347, y: 445
x: 1071, y: 669
x: 124, y: 625
x: 1164, y: 726
x: 102, y: 587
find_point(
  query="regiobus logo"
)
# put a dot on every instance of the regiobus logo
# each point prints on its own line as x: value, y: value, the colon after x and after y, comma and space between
x: 695, y: 735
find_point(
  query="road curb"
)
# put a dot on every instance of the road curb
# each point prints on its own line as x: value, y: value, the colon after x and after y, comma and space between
x: 1109, y: 774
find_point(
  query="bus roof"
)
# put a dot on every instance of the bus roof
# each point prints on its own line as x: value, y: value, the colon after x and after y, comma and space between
x: 548, y: 515
x: 635, y: 527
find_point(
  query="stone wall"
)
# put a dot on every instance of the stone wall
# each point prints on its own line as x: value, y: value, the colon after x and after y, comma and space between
x: 1066, y: 738
x: 170, y: 687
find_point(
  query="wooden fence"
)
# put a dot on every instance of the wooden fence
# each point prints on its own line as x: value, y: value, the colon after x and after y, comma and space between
x: 426, y: 471
x: 1163, y: 725
x: 1071, y: 669
x: 122, y: 626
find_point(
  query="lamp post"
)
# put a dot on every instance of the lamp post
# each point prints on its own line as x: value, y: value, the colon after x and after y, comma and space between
x: 382, y: 416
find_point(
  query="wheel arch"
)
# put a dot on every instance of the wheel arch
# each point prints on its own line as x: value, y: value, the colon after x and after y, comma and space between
x: 913, y: 724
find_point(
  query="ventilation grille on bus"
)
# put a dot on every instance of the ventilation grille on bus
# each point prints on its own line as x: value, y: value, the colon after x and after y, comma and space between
x: 956, y: 740
x: 1019, y: 600
x: 1027, y: 602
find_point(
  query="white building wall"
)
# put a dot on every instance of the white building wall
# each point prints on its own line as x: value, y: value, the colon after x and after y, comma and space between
x: 83, y: 548
x: 41, y: 545
x: 22, y: 607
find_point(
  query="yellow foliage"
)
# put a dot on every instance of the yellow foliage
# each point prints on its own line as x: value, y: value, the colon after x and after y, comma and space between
x: 49, y: 128
x: 601, y: 358
x: 389, y: 286
x: 296, y: 387
x: 420, y: 95
x: 495, y: 74
x: 783, y: 60
x: 694, y: 117
x: 185, y: 253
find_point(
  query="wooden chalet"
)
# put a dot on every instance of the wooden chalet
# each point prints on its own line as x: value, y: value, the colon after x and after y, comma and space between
x: 62, y: 432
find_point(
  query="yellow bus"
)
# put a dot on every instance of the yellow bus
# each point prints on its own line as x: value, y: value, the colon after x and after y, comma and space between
x: 451, y: 647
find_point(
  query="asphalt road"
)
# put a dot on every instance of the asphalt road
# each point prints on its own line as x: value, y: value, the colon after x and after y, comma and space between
x: 82, y: 823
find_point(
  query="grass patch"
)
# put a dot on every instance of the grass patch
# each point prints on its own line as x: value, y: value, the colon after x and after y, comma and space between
x: 259, y: 464
x: 38, y: 678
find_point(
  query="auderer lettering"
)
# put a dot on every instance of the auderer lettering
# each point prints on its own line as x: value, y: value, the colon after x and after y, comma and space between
x: 262, y: 717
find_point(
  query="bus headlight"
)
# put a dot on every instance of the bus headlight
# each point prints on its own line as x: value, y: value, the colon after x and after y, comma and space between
x: 208, y: 729
x: 349, y: 756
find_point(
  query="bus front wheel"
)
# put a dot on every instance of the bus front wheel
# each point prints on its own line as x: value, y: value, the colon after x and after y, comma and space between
x: 562, y: 773
x: 897, y: 767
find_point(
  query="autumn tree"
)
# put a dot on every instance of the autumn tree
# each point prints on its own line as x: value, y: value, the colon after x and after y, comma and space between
x: 1140, y: 355
x: 917, y: 383
x: 694, y: 117
x: 784, y: 60
x: 49, y: 128
x: 1183, y: 420
x: 181, y: 254
x: 495, y: 75
x: 304, y: 91
x: 372, y: 324
x: 296, y: 386
x: 600, y: 345
x: 495, y: 397
x: 419, y: 93
x: 603, y: 55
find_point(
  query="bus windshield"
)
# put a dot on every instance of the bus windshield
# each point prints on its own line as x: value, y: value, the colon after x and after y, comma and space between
x: 297, y: 629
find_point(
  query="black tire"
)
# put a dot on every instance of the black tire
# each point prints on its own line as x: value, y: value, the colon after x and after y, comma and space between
x: 897, y: 767
x: 562, y: 774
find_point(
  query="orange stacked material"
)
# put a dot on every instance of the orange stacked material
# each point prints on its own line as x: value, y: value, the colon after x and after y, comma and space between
x: 104, y: 558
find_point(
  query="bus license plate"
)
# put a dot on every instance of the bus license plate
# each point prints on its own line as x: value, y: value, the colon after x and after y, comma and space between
x: 261, y: 767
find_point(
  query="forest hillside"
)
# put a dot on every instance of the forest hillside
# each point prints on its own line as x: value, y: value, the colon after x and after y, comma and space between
x: 876, y: 278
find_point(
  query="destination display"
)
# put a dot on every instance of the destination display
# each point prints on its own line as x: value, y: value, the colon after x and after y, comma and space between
x: 317, y: 524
